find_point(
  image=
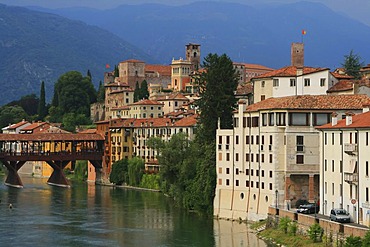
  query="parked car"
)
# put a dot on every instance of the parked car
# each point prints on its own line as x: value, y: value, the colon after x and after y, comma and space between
x: 308, y: 208
x: 339, y: 215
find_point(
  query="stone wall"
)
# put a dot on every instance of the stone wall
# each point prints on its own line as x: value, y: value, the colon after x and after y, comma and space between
x: 305, y: 221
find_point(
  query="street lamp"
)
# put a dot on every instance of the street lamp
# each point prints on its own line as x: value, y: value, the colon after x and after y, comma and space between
x: 276, y: 200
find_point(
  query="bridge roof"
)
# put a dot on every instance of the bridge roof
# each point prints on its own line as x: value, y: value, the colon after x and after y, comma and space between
x: 51, y: 137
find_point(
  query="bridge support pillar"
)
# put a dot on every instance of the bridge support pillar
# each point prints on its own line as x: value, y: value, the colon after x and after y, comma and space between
x: 58, y: 178
x: 13, y: 178
x: 98, y: 171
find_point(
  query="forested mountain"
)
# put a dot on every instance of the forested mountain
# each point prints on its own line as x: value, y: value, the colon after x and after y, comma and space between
x: 255, y: 34
x: 37, y: 46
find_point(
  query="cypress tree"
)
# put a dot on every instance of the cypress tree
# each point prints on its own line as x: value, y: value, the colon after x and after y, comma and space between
x: 144, y: 92
x: 42, y: 110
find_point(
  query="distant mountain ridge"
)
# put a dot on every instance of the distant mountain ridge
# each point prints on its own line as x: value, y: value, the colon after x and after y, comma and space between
x: 254, y: 34
x: 37, y: 46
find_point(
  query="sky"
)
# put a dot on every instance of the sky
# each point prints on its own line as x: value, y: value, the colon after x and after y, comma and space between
x: 357, y: 9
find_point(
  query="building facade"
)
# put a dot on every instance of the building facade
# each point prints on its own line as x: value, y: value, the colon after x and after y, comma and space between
x: 344, y: 165
x: 272, y: 156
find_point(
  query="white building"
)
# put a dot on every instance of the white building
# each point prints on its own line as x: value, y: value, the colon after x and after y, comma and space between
x: 271, y: 156
x: 344, y: 166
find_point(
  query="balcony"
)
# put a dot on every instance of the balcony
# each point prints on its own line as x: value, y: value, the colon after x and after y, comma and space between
x: 350, y: 148
x: 351, y: 178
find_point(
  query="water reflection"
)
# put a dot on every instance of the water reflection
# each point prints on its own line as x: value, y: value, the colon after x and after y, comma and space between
x: 89, y: 215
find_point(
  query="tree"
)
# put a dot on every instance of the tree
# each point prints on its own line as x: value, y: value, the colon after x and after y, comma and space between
x: 136, y: 168
x: 42, y: 110
x: 116, y: 71
x: 352, y: 65
x: 73, y: 93
x: 29, y: 103
x: 119, y: 173
x: 137, y: 92
x: 101, y: 93
x: 72, y: 120
x: 217, y: 84
x: 11, y: 114
x: 144, y: 93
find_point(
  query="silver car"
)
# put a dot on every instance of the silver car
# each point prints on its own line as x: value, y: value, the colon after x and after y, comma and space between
x: 339, y: 215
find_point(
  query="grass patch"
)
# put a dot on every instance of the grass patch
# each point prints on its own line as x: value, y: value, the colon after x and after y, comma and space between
x: 256, y: 224
x: 280, y: 237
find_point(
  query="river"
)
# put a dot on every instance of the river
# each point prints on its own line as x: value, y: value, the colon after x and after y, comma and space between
x: 91, y: 215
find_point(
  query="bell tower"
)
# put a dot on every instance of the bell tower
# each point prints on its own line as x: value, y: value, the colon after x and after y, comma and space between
x: 193, y: 55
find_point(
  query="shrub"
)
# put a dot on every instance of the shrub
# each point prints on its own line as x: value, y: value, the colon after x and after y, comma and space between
x: 293, y: 227
x: 366, y: 239
x: 352, y: 241
x: 315, y: 232
x: 284, y: 223
x: 150, y: 181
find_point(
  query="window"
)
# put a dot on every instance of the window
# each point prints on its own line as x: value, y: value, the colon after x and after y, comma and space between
x: 262, y: 158
x: 307, y: 82
x: 300, y: 142
x: 321, y: 118
x: 300, y: 159
x: 227, y: 182
x: 246, y: 139
x: 322, y: 82
x: 332, y: 138
x: 247, y: 183
x: 236, y: 157
x: 270, y: 158
x: 227, y: 157
x: 264, y: 119
x: 263, y: 84
x: 325, y: 165
x: 367, y: 169
x: 271, y: 119
x: 255, y: 121
x: 299, y: 119
x: 332, y: 165
x: 275, y: 82
x: 280, y: 119
x: 263, y: 97
x: 246, y: 157
x: 270, y: 174
x: 236, y: 182
x: 237, y: 140
x: 367, y: 194
x: 227, y: 170
x: 251, y: 172
x: 292, y: 82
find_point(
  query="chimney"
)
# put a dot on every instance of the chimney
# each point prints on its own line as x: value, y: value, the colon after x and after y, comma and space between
x: 297, y: 55
x: 334, y: 119
x: 242, y: 106
x: 366, y: 107
x: 349, y: 118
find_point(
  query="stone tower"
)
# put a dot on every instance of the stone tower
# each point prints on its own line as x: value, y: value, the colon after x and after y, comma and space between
x: 193, y: 55
x: 297, y: 55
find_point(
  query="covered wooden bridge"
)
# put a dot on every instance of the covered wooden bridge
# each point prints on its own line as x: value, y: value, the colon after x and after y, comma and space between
x: 56, y: 149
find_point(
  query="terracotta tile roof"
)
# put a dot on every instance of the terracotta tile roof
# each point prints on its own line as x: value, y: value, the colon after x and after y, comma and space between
x: 342, y: 85
x: 132, y: 61
x: 244, y: 89
x: 164, y: 70
x: 186, y: 121
x: 88, y: 131
x: 180, y: 112
x: 125, y: 107
x: 256, y: 66
x: 122, y: 91
x: 313, y: 102
x: 358, y: 121
x: 147, y: 102
x: 341, y: 76
x: 51, y: 137
x: 152, y: 122
x: 115, y: 84
x: 290, y: 71
x: 17, y: 125
x: 36, y: 125
x: 173, y: 96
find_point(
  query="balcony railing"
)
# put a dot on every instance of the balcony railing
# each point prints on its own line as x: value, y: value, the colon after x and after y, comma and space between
x: 351, y: 177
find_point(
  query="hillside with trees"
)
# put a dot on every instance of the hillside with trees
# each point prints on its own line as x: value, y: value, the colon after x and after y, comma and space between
x: 37, y: 46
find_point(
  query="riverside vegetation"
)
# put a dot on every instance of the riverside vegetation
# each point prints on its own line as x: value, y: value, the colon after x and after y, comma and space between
x: 285, y: 232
